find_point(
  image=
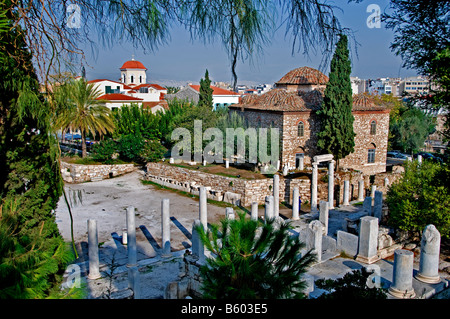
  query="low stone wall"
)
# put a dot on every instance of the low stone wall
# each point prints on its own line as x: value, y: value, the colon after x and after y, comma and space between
x: 222, y: 188
x: 77, y: 173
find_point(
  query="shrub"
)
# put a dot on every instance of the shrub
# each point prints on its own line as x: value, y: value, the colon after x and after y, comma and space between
x: 421, y: 197
x: 104, y: 151
x: 130, y: 147
x: 152, y: 151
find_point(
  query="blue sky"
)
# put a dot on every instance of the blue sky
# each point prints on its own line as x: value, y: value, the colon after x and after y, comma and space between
x: 181, y: 61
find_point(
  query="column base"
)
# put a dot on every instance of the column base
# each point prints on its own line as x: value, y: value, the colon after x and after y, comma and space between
x: 427, y: 279
x: 93, y: 276
x: 367, y: 260
x: 403, y: 294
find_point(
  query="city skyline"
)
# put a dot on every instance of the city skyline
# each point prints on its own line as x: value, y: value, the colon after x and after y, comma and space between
x: 182, y: 61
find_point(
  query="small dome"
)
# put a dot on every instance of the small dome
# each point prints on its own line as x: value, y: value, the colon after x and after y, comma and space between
x: 133, y: 64
x: 304, y: 75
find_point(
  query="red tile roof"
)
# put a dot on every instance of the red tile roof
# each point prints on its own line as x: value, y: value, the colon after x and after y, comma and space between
x: 304, y: 75
x: 282, y: 100
x: 118, y: 97
x: 133, y: 64
x: 216, y: 90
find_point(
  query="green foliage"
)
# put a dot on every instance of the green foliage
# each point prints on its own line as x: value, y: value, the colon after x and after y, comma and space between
x: 32, y: 253
x: 30, y: 261
x: 135, y: 120
x: 78, y: 108
x: 421, y: 30
x: 253, y: 261
x: 440, y: 74
x: 152, y: 151
x: 410, y: 130
x: 103, y: 151
x: 206, y: 92
x: 130, y: 147
x: 336, y: 134
x: 352, y: 286
x: 421, y: 197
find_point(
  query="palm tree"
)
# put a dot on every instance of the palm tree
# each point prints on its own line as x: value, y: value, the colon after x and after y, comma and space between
x: 251, y: 260
x: 80, y: 109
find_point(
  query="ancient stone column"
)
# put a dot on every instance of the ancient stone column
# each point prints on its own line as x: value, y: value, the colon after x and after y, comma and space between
x: 361, y: 190
x: 346, y: 193
x: 429, y: 255
x: 202, y: 207
x: 314, y: 187
x: 403, y: 274
x: 372, y: 192
x: 165, y: 227
x: 268, y: 208
x: 276, y: 195
x: 131, y: 237
x: 301, y: 162
x: 295, y: 203
x: 227, y: 163
x: 323, y: 215
x: 285, y: 170
x: 197, y: 246
x: 315, y: 229
x: 378, y: 205
x: 419, y: 159
x: 254, y: 213
x: 94, y: 263
x: 134, y: 282
x: 229, y: 213
x: 331, y: 184
x: 386, y: 181
x: 368, y: 240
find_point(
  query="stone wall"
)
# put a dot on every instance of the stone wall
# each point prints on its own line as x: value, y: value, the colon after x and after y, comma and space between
x: 77, y: 173
x: 292, y: 144
x: 222, y: 188
x: 365, y: 141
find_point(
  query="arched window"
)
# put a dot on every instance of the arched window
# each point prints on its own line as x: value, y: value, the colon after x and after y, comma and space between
x: 132, y: 79
x: 373, y: 128
x: 371, y: 153
x: 301, y: 129
x: 140, y: 79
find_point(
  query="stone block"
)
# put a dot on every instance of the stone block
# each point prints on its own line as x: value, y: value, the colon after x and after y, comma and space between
x: 347, y: 243
x: 232, y: 198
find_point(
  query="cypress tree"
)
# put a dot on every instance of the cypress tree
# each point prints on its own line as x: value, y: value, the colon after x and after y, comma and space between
x: 336, y: 134
x: 206, y: 98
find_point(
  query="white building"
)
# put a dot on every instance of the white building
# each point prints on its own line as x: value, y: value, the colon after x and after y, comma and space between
x: 221, y: 97
x: 132, y: 88
x: 358, y: 85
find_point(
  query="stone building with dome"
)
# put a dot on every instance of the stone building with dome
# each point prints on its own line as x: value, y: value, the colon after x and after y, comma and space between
x: 292, y: 108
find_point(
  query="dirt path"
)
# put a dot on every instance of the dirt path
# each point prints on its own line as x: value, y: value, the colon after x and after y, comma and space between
x: 107, y: 200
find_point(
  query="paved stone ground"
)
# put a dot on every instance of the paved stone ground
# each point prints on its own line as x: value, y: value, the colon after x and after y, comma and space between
x: 107, y: 200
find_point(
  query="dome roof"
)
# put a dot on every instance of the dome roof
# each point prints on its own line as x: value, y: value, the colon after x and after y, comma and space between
x: 133, y: 64
x: 366, y: 102
x: 304, y: 75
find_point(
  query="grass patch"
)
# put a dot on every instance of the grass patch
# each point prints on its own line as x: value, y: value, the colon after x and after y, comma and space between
x: 220, y: 170
x: 90, y: 161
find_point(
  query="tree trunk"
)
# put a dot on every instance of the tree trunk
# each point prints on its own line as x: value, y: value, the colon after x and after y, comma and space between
x: 83, y: 144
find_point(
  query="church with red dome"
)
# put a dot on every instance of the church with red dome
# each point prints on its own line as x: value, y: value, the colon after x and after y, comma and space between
x: 132, y: 87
